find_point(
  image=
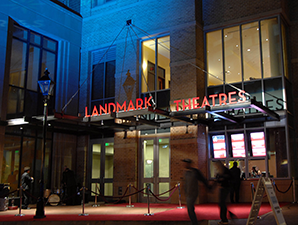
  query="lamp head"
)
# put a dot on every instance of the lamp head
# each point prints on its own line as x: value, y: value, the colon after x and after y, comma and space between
x: 46, y: 84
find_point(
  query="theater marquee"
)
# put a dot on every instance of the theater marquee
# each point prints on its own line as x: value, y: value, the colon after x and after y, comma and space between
x: 180, y: 105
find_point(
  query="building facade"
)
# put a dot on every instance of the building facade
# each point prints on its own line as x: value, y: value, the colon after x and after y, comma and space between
x: 143, y: 84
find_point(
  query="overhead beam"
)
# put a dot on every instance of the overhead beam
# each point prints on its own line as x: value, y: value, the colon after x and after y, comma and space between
x: 258, y: 106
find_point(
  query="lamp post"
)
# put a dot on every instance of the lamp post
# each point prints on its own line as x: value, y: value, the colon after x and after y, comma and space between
x: 46, y: 86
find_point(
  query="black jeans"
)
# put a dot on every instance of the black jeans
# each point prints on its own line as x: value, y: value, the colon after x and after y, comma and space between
x: 190, y: 202
x: 26, y: 199
x: 223, y: 194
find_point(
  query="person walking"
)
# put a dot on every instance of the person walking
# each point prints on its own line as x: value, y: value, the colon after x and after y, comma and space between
x: 26, y: 182
x: 235, y: 183
x: 191, y: 187
x: 223, y: 177
x: 69, y: 181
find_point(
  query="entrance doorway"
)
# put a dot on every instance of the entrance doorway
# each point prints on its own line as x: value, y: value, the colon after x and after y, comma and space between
x: 102, y: 167
x: 155, y: 167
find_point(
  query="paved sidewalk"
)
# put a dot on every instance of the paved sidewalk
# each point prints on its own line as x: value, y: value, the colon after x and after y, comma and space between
x: 290, y: 213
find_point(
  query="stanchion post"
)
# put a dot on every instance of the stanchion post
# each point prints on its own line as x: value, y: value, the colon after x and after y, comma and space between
x: 148, y: 190
x: 294, y: 190
x: 95, y: 201
x: 129, y: 198
x: 21, y: 202
x: 179, y: 207
x: 83, y: 205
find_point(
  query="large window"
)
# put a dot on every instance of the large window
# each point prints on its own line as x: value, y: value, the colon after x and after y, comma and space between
x: 155, y: 73
x: 103, y: 77
x: 251, y: 57
x: 22, y: 147
x: 258, y: 152
x: 31, y: 54
x: 247, y: 52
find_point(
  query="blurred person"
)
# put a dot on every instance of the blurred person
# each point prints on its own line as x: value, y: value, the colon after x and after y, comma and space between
x: 26, y: 182
x: 223, y: 177
x: 191, y: 187
x: 69, y: 182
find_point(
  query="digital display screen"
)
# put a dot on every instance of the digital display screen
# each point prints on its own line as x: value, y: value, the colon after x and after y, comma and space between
x: 238, y: 146
x: 258, y: 144
x: 219, y: 146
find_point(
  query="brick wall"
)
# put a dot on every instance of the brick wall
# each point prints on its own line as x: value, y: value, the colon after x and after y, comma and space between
x: 221, y: 12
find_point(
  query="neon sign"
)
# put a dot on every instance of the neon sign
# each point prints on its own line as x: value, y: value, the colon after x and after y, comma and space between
x: 112, y: 107
x: 222, y: 98
x: 181, y: 105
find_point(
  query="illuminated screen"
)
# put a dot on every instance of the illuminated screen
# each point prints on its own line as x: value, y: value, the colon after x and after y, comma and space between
x: 258, y: 144
x: 238, y: 148
x: 219, y: 146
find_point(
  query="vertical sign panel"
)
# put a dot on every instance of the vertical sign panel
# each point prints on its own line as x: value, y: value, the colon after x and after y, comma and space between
x: 219, y: 146
x: 258, y: 144
x: 238, y: 148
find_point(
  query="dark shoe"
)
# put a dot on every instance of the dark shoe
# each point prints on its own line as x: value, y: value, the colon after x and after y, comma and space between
x: 222, y: 222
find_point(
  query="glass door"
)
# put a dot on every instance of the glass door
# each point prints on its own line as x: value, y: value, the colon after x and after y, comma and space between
x: 155, y: 167
x: 102, y: 171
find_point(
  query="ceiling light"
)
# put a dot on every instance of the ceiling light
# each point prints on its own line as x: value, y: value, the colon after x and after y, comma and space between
x: 248, y: 49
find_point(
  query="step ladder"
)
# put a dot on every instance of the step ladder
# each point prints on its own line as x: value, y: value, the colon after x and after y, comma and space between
x: 265, y: 184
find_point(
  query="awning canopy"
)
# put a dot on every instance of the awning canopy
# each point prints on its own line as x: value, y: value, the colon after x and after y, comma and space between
x: 151, y: 118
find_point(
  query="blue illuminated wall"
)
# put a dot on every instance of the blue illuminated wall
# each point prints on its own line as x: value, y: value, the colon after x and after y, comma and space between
x: 54, y: 21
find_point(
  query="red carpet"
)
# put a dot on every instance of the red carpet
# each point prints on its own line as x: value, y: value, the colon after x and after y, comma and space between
x: 208, y: 211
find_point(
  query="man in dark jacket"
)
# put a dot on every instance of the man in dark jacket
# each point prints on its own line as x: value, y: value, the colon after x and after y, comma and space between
x: 26, y: 181
x: 223, y: 177
x: 69, y: 181
x: 191, y: 187
x: 235, y: 183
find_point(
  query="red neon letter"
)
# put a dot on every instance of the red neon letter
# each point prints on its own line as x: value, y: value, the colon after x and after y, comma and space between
x: 94, y: 112
x: 114, y: 107
x: 103, y: 109
x: 130, y: 106
x: 121, y: 106
x: 231, y: 100
x: 86, y: 112
x: 186, y: 106
x: 177, y: 104
x: 224, y: 100
x: 205, y: 102
x: 139, y: 106
x: 213, y: 98
x: 242, y: 96
x: 147, y: 102
x: 195, y: 105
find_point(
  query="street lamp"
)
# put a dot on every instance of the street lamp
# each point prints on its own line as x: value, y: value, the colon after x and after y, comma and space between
x: 46, y: 86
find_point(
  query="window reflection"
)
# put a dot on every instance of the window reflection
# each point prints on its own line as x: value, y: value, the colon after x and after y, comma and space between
x: 156, y: 78
x: 270, y: 48
x: 242, y: 47
x: 251, y: 51
x: 214, y: 58
x: 232, y: 55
